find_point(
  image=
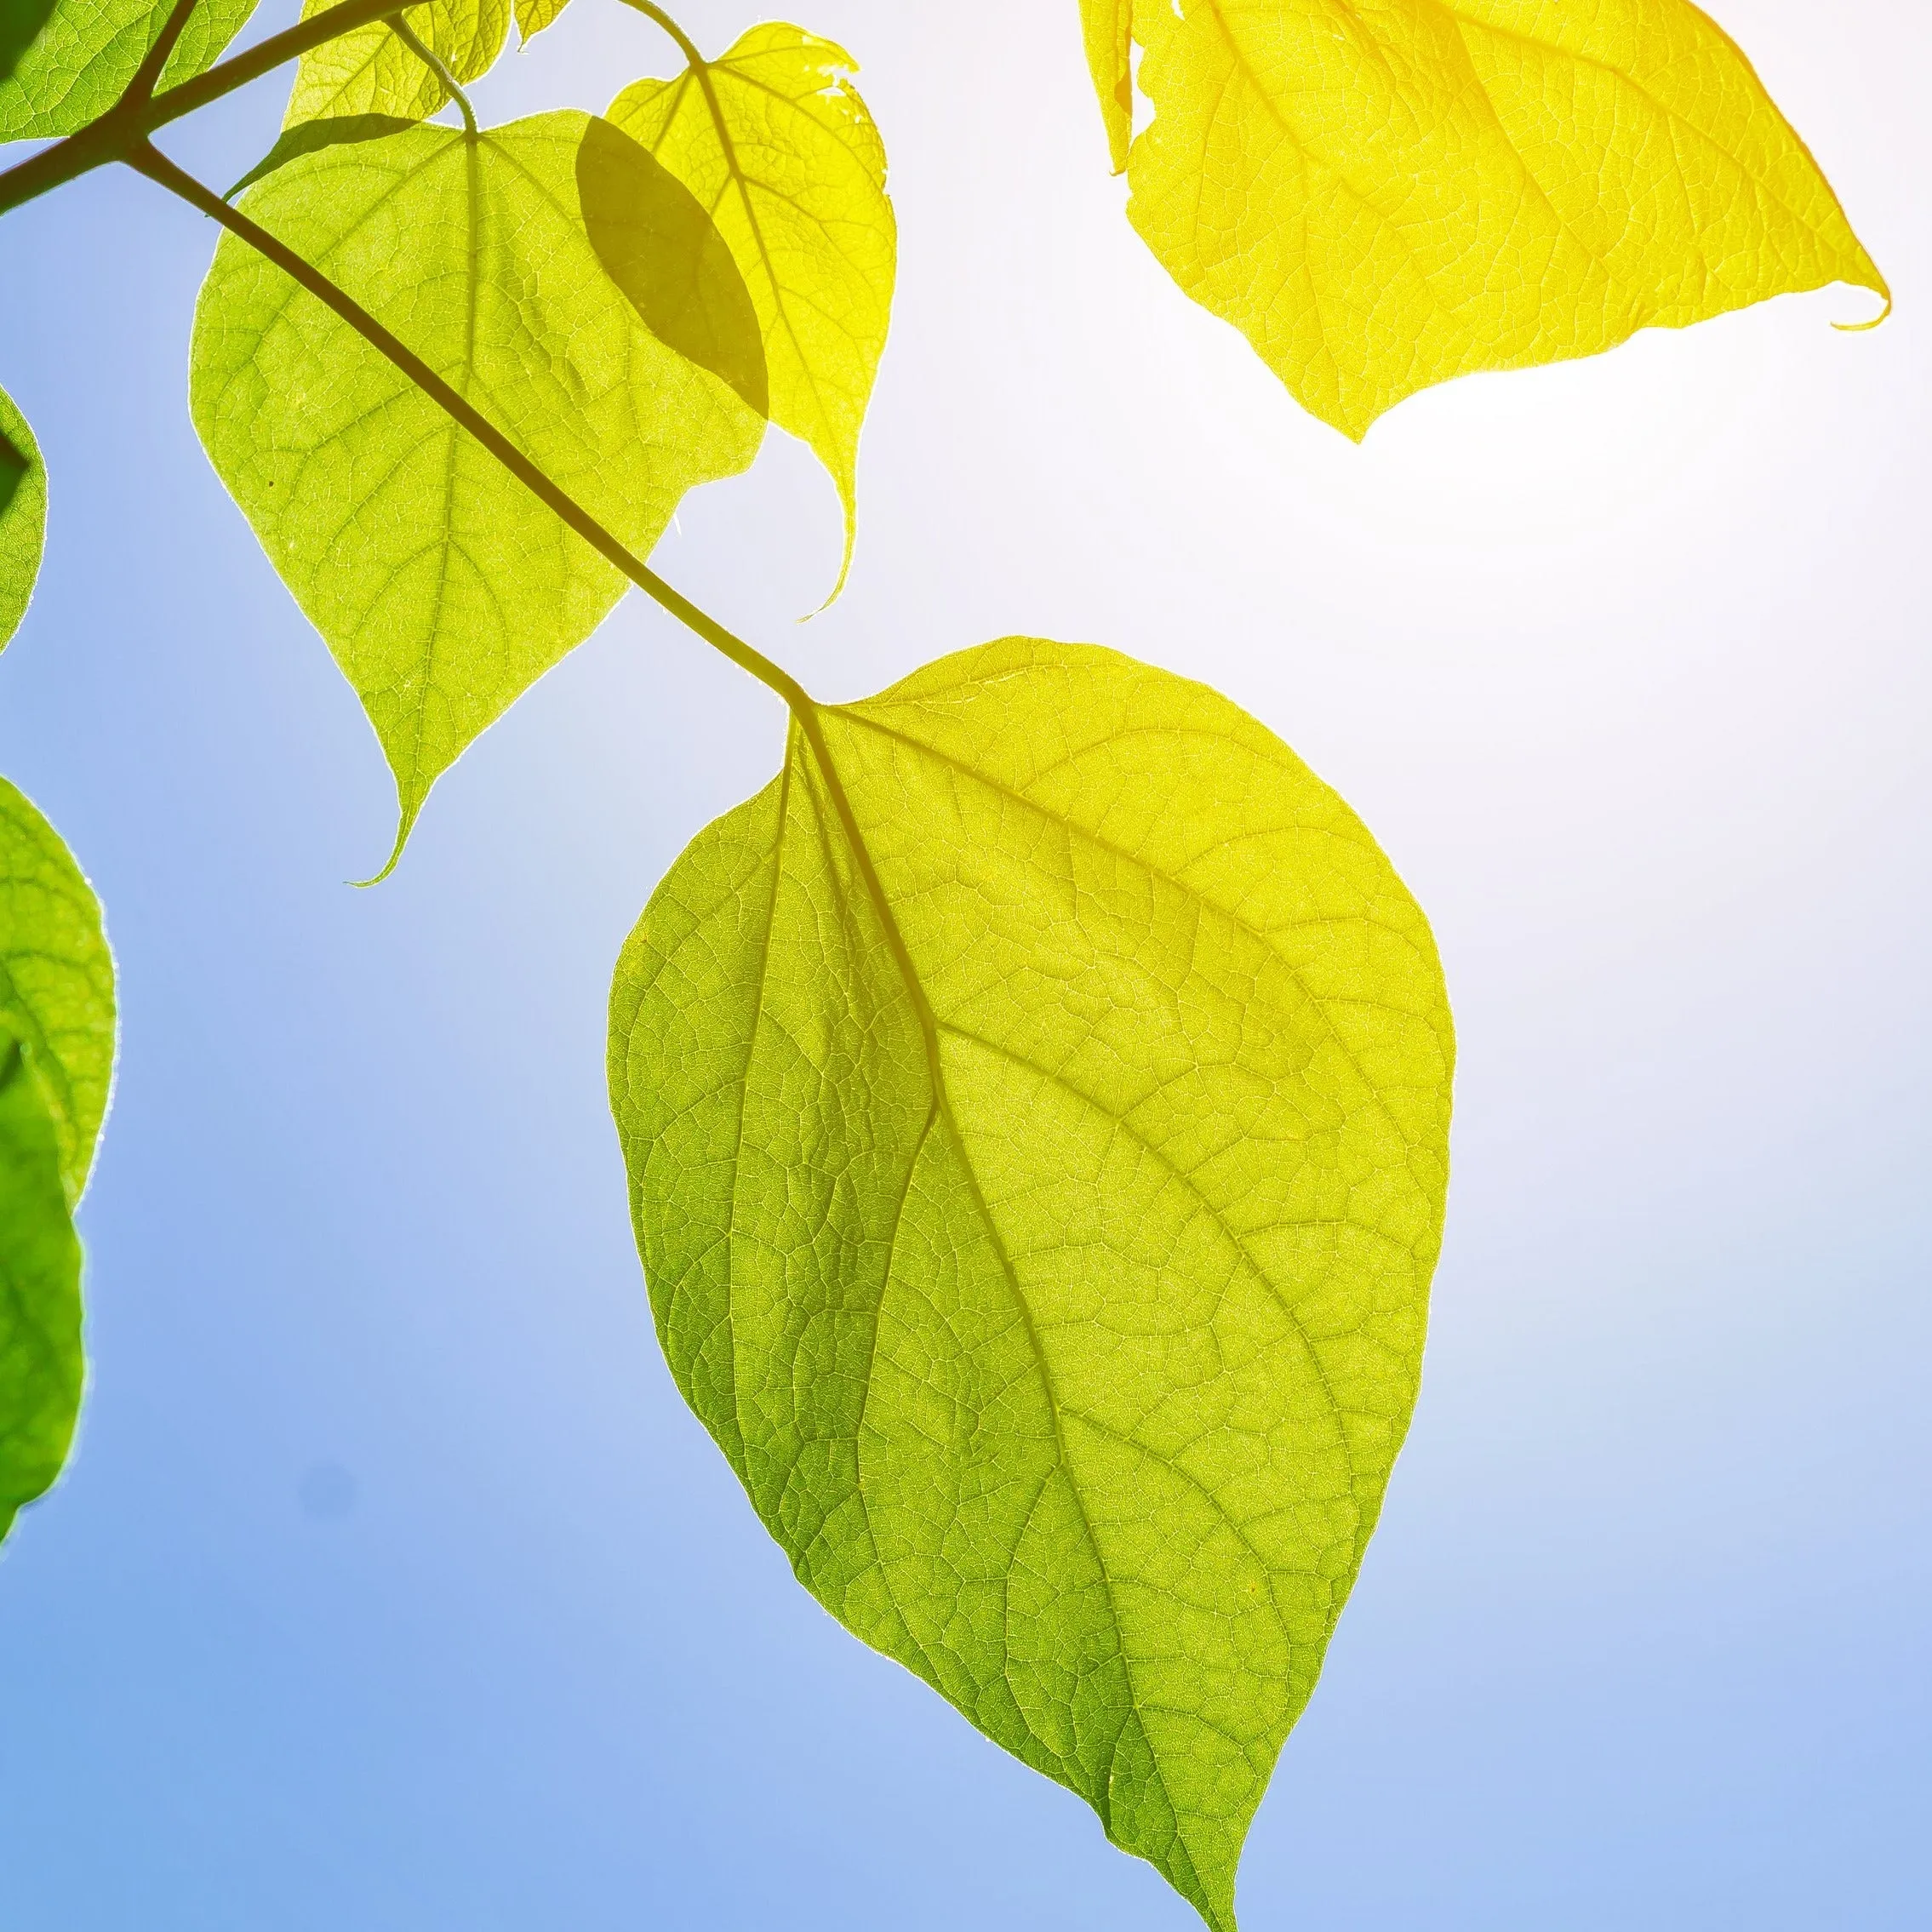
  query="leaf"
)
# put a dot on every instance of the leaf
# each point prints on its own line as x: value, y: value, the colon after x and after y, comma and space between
x: 23, y: 515
x: 661, y: 249
x: 1036, y: 1105
x: 1381, y: 199
x: 21, y: 22
x: 42, y: 1367
x: 1108, y: 25
x: 442, y: 586
x: 56, y: 980
x: 775, y: 142
x: 312, y: 136
x: 373, y: 72
x: 89, y: 50
x: 533, y: 16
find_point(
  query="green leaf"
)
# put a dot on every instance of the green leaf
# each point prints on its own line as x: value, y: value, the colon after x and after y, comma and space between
x: 23, y: 515
x: 56, y: 980
x: 88, y: 51
x: 1036, y: 1106
x: 1383, y: 198
x: 442, y: 586
x: 21, y: 22
x: 42, y: 1367
x: 373, y: 72
x: 533, y: 16
x: 312, y: 136
x: 775, y: 142
x: 661, y: 249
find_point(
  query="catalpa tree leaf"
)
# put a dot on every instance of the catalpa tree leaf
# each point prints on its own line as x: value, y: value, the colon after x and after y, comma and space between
x: 21, y: 22
x: 23, y: 515
x: 372, y: 71
x: 1381, y: 199
x: 443, y: 586
x: 42, y: 1368
x: 56, y: 981
x: 775, y: 142
x: 533, y: 16
x: 86, y: 51
x: 1036, y: 1105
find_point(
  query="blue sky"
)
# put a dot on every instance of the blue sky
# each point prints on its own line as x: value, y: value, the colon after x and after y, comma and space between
x: 393, y: 1587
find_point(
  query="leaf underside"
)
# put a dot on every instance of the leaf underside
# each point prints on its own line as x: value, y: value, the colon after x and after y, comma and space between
x: 23, y: 515
x: 1036, y: 1106
x: 1382, y: 198
x: 775, y: 142
x: 41, y: 1364
x: 56, y: 980
x: 372, y: 71
x: 443, y: 586
x: 83, y: 59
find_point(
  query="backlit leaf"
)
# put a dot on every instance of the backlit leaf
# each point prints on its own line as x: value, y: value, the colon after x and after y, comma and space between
x: 89, y: 50
x: 56, y: 979
x: 21, y: 22
x: 443, y: 586
x: 23, y: 515
x: 373, y: 72
x: 1108, y: 24
x: 533, y: 16
x: 661, y: 249
x: 42, y: 1367
x: 1383, y: 198
x: 775, y: 142
x: 1036, y: 1106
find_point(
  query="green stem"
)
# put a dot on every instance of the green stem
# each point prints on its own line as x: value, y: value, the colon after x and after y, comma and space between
x: 685, y: 45
x: 149, y: 161
x: 434, y: 61
x: 127, y: 124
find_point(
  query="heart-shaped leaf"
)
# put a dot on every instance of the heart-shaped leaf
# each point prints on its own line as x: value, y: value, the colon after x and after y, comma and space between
x: 1036, y: 1105
x: 443, y: 587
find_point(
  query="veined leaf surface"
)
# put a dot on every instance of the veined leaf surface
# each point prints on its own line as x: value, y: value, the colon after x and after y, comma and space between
x: 1383, y: 198
x: 373, y: 72
x: 533, y: 16
x: 56, y: 979
x: 773, y: 140
x: 23, y: 515
x: 1036, y: 1105
x: 83, y: 57
x: 442, y: 586
x: 42, y: 1368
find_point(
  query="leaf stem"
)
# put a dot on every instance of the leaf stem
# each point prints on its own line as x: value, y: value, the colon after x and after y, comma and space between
x: 147, y: 160
x: 133, y: 119
x: 686, y: 45
x: 141, y: 87
x: 434, y: 61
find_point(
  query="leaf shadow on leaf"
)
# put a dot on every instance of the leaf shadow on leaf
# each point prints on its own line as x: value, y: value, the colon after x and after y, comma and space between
x: 312, y: 136
x: 21, y: 22
x: 661, y: 249
x: 13, y: 468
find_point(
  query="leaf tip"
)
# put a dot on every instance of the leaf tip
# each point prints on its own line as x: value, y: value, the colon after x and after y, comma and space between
x: 1883, y: 316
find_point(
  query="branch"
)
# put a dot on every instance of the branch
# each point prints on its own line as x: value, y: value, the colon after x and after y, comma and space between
x: 147, y: 160
x: 127, y: 124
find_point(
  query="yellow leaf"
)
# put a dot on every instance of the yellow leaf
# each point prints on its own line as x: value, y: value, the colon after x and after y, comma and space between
x: 775, y: 143
x: 372, y: 71
x: 1380, y: 197
x: 533, y: 16
x: 1108, y: 24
